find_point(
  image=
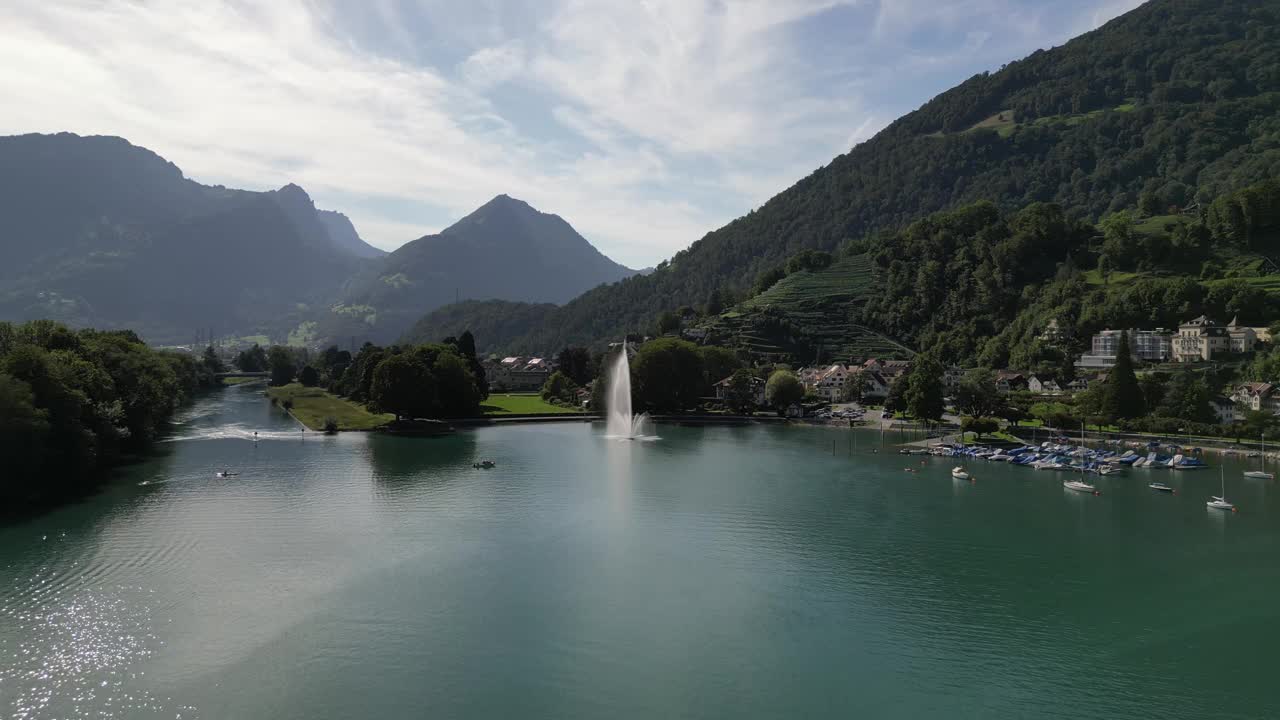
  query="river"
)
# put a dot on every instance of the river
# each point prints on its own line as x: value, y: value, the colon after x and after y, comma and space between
x: 746, y: 572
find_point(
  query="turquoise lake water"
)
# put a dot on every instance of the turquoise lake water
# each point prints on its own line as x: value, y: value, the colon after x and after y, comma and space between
x: 741, y: 572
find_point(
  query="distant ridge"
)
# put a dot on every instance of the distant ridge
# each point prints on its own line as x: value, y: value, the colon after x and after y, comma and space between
x: 503, y: 250
x: 101, y: 232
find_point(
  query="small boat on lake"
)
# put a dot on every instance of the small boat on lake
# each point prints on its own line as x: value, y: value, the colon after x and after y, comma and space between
x: 226, y: 474
x: 959, y: 473
x: 1080, y: 486
x: 484, y: 464
x: 1219, y: 502
x: 1261, y: 473
x: 1160, y: 487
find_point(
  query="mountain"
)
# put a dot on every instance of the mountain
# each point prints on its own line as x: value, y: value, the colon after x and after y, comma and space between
x: 504, y: 250
x: 485, y: 319
x: 344, y: 236
x: 1172, y: 104
x: 101, y: 232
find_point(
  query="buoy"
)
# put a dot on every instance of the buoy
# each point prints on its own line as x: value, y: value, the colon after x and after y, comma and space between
x: 1235, y: 509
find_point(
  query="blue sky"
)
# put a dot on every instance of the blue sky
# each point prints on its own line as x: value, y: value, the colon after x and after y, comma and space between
x: 645, y: 124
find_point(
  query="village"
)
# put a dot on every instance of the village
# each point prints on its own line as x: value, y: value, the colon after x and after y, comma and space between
x: 1199, y: 344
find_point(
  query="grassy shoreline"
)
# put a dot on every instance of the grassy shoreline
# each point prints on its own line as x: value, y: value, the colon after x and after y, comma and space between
x: 521, y: 404
x: 311, y: 405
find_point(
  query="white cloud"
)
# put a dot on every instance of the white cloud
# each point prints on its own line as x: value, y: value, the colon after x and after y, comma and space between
x: 491, y: 66
x: 661, y: 120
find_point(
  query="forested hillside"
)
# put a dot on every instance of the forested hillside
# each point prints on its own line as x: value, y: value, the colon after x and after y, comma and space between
x: 503, y: 250
x: 73, y: 403
x: 1172, y: 104
x: 101, y: 232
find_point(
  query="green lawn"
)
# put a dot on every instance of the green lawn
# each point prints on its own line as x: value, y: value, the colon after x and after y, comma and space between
x: 1093, y: 277
x: 312, y: 405
x: 520, y: 404
x: 240, y: 380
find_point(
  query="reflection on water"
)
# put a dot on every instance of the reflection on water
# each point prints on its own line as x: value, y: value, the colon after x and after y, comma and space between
x: 722, y: 572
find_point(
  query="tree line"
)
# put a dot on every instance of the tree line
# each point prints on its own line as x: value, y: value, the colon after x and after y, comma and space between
x: 74, y: 403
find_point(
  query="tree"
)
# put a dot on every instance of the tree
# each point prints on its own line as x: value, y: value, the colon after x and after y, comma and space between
x: 718, y: 363
x: 1013, y: 414
x: 924, y: 397
x: 211, y: 361
x: 455, y: 385
x: 404, y: 386
x: 740, y: 394
x: 1258, y: 422
x: 280, y: 363
x: 577, y: 364
x: 767, y: 279
x: 309, y: 376
x: 668, y: 323
x: 715, y: 303
x: 599, y: 402
x: 667, y: 374
x: 1122, y: 397
x: 560, y: 388
x: 976, y: 395
x: 978, y: 425
x: 1149, y: 203
x: 855, y: 387
x: 782, y: 390
x: 896, y: 399
x: 252, y: 360
x: 24, y: 431
x: 467, y: 344
x: 1187, y: 397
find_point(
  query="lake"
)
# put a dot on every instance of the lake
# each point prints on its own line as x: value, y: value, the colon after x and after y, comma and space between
x: 744, y: 572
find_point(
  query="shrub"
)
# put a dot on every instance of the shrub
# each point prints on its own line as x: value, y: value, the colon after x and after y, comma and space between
x: 331, y: 424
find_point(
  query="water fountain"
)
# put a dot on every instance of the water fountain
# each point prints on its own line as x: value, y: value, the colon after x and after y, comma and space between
x: 621, y: 424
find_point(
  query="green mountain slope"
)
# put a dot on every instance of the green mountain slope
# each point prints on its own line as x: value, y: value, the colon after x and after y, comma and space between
x: 504, y: 250
x: 1178, y: 99
x: 809, y: 316
x: 100, y: 232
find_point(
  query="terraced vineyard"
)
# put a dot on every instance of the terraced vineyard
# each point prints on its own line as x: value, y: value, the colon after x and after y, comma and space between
x: 810, y: 316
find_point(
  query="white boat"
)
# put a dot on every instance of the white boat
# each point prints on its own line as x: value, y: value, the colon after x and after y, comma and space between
x: 1079, y: 486
x: 1108, y: 470
x: 1219, y: 502
x: 1261, y: 474
x: 959, y: 473
x: 1162, y: 487
x: 226, y: 474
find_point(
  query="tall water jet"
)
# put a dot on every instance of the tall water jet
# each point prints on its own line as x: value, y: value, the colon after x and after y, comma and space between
x: 621, y: 424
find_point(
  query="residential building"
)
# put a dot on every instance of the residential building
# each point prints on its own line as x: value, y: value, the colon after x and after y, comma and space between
x: 1010, y: 381
x: 1043, y: 385
x: 890, y: 370
x: 834, y: 383
x: 519, y: 373
x: 1199, y: 339
x: 1257, y: 396
x: 1089, y: 361
x: 874, y: 386
x: 1150, y: 345
x: 1078, y: 385
x: 1242, y: 339
x: 1053, y: 334
x: 952, y: 376
x: 1224, y: 408
x: 757, y: 389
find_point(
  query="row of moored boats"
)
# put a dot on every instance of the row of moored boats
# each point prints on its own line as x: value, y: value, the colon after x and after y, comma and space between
x: 1083, y: 460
